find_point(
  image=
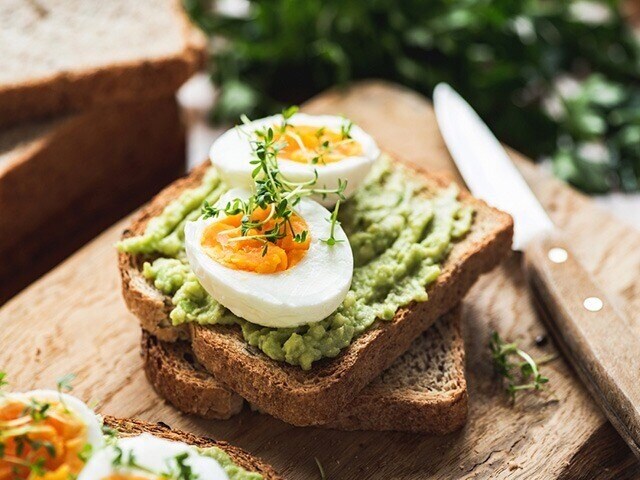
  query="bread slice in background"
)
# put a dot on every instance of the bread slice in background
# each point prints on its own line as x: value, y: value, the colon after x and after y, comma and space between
x: 64, y: 181
x: 424, y: 391
x: 60, y: 56
x: 317, y: 396
x: 130, y: 427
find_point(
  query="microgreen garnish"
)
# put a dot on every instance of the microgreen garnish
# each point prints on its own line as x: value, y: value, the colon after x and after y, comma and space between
x: 110, y: 435
x: 182, y: 471
x: 209, y: 210
x: 37, y: 410
x: 287, y: 113
x: 274, y: 193
x: 345, y: 130
x: 37, y: 467
x: 520, y: 375
x: 63, y: 385
x: 86, y: 452
x: 333, y: 219
x: 177, y: 468
x: 3, y: 380
x: 322, y: 474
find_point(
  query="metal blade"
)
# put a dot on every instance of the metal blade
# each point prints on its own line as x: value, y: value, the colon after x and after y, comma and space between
x: 485, y: 166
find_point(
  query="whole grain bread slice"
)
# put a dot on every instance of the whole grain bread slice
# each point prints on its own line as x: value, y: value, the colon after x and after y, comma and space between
x: 424, y: 391
x: 177, y: 376
x: 132, y: 427
x: 316, y: 396
x: 60, y: 56
x: 72, y: 164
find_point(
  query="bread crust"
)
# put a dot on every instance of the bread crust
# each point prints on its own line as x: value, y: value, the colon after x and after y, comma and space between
x: 125, y: 81
x: 437, y: 413
x: 176, y: 376
x: 316, y: 397
x: 172, y: 370
x: 65, y: 181
x: 132, y: 427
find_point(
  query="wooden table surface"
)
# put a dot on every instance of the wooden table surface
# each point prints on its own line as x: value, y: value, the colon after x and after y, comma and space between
x: 74, y: 320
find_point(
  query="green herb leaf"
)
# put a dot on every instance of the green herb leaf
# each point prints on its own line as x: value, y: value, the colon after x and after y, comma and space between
x: 323, y: 476
x: 518, y: 375
x: 64, y: 383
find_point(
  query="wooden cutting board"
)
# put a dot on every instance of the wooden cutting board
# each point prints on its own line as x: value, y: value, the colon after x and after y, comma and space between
x: 74, y: 320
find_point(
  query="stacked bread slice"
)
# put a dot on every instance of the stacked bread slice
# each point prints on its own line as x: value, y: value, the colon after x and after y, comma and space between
x: 403, y: 374
x: 89, y: 127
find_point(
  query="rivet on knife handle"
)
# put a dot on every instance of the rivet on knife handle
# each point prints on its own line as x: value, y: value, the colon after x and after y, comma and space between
x: 593, y: 335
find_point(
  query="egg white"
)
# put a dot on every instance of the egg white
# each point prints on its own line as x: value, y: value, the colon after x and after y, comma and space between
x: 77, y: 407
x: 232, y: 153
x: 154, y: 454
x: 306, y: 293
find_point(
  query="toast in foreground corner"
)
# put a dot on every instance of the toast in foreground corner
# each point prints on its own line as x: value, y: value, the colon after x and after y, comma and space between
x: 424, y: 391
x: 131, y: 427
x: 403, y: 250
x: 58, y: 436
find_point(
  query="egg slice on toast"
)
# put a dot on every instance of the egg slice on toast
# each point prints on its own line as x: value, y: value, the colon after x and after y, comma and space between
x: 328, y: 146
x: 46, y: 432
x: 146, y: 457
x: 286, y: 283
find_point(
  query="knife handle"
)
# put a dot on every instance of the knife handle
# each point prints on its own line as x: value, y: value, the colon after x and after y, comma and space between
x: 593, y: 336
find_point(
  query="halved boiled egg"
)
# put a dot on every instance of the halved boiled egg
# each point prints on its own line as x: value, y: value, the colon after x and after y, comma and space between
x: 46, y: 431
x: 286, y: 283
x: 148, y: 457
x: 326, y: 144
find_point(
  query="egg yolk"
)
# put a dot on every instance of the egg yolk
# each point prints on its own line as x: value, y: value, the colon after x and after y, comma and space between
x: 223, y: 241
x: 306, y: 144
x: 40, y: 442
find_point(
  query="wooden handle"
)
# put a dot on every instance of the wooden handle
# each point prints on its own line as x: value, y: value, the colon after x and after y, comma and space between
x: 594, y: 337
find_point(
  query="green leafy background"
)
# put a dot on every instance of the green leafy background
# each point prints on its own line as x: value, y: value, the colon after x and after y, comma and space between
x: 548, y: 81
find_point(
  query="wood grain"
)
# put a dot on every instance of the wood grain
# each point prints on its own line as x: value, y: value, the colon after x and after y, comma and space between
x: 74, y: 320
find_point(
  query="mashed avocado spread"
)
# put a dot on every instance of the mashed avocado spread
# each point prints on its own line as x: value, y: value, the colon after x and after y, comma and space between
x: 399, y: 232
x: 233, y: 471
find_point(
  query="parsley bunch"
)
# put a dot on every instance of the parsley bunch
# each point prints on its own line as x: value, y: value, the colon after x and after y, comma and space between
x: 508, y: 59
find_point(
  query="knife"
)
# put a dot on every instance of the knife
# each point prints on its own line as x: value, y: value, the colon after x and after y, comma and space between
x: 593, y: 335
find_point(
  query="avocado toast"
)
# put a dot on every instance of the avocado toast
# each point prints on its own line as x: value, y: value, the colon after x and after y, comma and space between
x: 255, y: 468
x: 50, y: 434
x: 315, y: 396
x: 423, y: 391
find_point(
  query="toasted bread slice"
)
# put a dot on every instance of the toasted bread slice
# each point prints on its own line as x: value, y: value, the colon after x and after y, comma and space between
x: 131, y: 427
x: 110, y: 178
x: 423, y: 391
x: 177, y: 376
x: 316, y: 396
x: 60, y: 56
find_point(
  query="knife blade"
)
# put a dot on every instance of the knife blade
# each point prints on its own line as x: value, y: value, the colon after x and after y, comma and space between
x: 594, y: 336
x: 485, y: 166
